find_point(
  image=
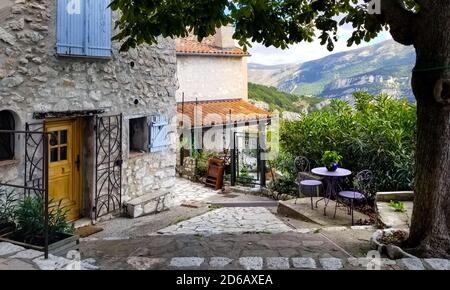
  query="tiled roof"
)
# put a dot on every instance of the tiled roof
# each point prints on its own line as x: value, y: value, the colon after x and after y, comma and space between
x: 191, y: 45
x: 218, y: 112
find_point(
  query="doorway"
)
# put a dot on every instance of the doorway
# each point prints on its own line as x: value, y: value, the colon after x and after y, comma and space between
x: 64, y: 168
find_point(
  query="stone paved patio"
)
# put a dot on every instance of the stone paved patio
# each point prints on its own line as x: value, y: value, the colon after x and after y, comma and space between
x: 291, y: 250
x: 229, y: 238
x: 185, y: 190
x: 229, y: 220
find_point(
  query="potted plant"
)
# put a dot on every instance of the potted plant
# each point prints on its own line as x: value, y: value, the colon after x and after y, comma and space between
x: 30, y: 229
x: 7, y: 209
x: 331, y: 160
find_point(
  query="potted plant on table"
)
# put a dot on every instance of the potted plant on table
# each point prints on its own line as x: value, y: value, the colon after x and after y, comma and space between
x: 7, y: 210
x: 331, y: 160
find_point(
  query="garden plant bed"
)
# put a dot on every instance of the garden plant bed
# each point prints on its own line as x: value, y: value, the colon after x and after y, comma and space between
x: 60, y: 244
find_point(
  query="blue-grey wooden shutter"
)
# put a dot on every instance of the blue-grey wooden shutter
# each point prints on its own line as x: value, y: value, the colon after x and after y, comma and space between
x: 70, y: 27
x: 159, y: 134
x: 84, y: 28
x: 99, y: 28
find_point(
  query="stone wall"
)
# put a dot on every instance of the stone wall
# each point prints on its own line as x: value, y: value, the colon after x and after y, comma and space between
x: 187, y: 170
x: 212, y: 78
x: 33, y: 79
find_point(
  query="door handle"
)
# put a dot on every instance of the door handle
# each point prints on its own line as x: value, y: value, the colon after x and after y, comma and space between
x: 78, y: 162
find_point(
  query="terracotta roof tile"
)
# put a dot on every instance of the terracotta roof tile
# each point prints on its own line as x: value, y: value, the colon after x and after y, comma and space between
x: 218, y: 112
x: 190, y: 45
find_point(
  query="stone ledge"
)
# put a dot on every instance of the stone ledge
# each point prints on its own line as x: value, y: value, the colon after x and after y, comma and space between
x: 395, y: 195
x: 147, y: 204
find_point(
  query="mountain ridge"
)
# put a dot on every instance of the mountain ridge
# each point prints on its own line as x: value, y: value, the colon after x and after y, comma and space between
x: 381, y: 68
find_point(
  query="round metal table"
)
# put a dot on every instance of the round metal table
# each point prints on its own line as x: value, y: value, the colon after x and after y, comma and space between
x: 332, y: 181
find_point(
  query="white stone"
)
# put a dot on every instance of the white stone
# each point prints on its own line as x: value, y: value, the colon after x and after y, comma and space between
x: 18, y: 24
x: 277, y: 263
x: 363, y: 228
x: 116, y: 238
x: 412, y: 264
x: 7, y: 249
x: 52, y: 263
x: 88, y: 266
x: 144, y: 263
x: 28, y: 254
x: 11, y: 82
x: 304, y: 263
x: 331, y: 263
x: 6, y: 37
x: 251, y: 263
x: 437, y: 264
x: 186, y: 262
x: 219, y: 262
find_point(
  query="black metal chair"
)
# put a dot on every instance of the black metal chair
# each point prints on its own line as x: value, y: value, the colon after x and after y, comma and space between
x: 359, y: 193
x: 305, y: 179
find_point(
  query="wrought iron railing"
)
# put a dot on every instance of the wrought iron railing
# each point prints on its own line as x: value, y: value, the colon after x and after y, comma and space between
x: 36, y: 170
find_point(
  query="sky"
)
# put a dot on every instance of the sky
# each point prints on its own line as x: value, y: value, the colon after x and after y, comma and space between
x: 306, y: 51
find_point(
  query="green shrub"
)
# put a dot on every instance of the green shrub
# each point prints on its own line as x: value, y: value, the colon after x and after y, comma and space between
x: 7, y: 205
x: 284, y: 185
x: 201, y: 159
x: 398, y: 206
x: 378, y: 134
x: 30, y: 216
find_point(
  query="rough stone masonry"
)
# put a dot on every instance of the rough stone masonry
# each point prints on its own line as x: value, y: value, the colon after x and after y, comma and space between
x: 141, y: 82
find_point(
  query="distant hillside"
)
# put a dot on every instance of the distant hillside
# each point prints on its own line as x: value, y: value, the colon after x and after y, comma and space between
x: 281, y: 101
x: 381, y: 68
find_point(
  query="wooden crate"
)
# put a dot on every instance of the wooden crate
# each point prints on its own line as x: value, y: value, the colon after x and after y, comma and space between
x: 215, y: 173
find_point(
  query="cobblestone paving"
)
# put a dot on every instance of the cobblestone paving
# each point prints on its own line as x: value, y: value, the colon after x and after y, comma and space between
x: 229, y: 220
x: 14, y: 257
x: 185, y: 190
x: 295, y: 263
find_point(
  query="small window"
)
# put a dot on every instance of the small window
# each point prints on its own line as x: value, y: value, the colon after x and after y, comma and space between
x: 7, y: 122
x: 58, y: 146
x: 138, y: 135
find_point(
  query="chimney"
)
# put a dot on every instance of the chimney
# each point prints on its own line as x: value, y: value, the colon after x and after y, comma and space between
x: 224, y: 37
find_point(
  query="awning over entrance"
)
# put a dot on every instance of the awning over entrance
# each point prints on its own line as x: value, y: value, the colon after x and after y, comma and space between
x: 221, y: 112
x: 67, y: 114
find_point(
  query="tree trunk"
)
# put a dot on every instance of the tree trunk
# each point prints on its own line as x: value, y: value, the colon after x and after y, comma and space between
x: 430, y: 227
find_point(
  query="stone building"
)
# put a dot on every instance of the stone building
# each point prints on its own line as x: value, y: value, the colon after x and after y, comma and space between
x: 212, y: 99
x: 110, y: 114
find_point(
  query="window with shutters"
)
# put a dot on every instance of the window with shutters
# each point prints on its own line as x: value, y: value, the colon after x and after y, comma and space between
x: 159, y: 132
x: 7, y: 122
x: 84, y: 28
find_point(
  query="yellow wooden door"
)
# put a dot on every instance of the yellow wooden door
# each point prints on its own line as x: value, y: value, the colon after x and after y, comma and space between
x: 64, y: 166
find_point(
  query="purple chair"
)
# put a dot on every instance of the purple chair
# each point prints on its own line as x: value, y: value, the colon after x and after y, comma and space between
x: 305, y: 178
x: 359, y: 193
